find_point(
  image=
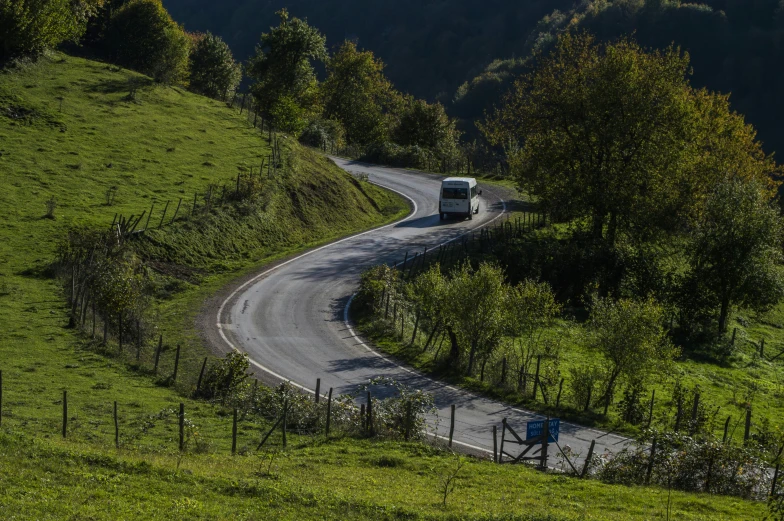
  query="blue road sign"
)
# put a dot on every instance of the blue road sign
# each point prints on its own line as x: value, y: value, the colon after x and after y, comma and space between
x: 534, y: 429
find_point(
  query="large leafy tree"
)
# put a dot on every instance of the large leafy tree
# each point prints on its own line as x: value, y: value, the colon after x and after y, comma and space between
x: 601, y: 132
x: 142, y: 36
x: 283, y: 64
x: 213, y: 71
x: 427, y: 125
x: 29, y: 27
x: 358, y: 95
x: 736, y: 248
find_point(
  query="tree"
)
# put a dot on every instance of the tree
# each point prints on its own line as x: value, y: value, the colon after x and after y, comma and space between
x: 357, y: 94
x: 213, y: 71
x: 736, y: 248
x: 428, y: 126
x: 530, y: 309
x: 30, y: 27
x: 283, y: 63
x: 474, y: 304
x: 603, y: 133
x: 142, y: 36
x: 632, y: 339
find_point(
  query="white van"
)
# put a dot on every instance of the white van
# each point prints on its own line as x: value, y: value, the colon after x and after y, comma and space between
x: 459, y: 196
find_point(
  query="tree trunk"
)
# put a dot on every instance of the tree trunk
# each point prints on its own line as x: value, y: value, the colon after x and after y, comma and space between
x: 597, y: 227
x: 454, y: 352
x: 612, y: 229
x: 725, y: 311
x: 430, y: 338
x: 471, y: 358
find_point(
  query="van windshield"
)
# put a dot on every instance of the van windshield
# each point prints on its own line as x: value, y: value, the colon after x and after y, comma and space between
x: 454, y: 193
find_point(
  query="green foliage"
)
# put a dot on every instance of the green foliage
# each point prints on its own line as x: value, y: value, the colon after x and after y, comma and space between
x: 142, y: 36
x: 428, y: 126
x: 358, y: 95
x: 287, y: 115
x: 326, y: 134
x: 735, y: 251
x: 30, y: 27
x: 604, y: 133
x: 283, y: 65
x: 475, y: 309
x: 631, y: 337
x: 227, y: 380
x: 213, y: 71
x: 692, y: 464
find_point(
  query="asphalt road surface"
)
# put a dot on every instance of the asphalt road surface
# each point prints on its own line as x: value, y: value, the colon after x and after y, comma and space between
x: 292, y: 318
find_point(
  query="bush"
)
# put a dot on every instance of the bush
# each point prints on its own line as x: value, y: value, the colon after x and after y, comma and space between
x: 142, y: 36
x: 692, y: 465
x: 324, y: 134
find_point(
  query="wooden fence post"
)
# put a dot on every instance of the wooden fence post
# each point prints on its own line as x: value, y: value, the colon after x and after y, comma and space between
x: 65, y: 413
x: 285, y: 420
x: 775, y: 480
x: 371, y: 430
x: 201, y: 375
x: 495, y: 444
x: 650, y: 462
x: 408, y: 420
x: 160, y: 224
x: 650, y: 409
x: 536, y: 378
x: 158, y: 353
x: 762, y: 348
x: 726, y: 429
x: 234, y: 433
x: 588, y: 459
x: 176, y: 364
x: 452, y: 426
x: 545, y: 442
x: 318, y: 389
x: 116, y: 428
x: 747, y: 432
x: 558, y: 399
x: 363, y: 419
x: 182, y: 426
x: 1, y: 397
x: 695, y: 411
x: 329, y: 411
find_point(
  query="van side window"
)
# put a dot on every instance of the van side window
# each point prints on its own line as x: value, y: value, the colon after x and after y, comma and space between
x: 473, y: 192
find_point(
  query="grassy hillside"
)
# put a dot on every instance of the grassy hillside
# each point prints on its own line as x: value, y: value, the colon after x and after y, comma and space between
x: 314, y: 479
x: 159, y: 144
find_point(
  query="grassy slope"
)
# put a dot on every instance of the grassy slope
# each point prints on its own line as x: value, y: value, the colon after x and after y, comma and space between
x: 157, y: 147
x: 339, y: 479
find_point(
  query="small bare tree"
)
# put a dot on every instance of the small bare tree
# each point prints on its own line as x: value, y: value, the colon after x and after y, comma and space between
x: 449, y: 480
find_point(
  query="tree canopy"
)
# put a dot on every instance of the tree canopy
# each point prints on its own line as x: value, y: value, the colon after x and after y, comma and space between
x: 614, y: 135
x: 357, y: 94
x: 142, y: 36
x: 283, y: 64
x: 213, y: 71
x: 29, y: 27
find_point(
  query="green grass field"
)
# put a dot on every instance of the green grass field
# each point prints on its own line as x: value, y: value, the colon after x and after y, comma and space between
x: 70, y: 130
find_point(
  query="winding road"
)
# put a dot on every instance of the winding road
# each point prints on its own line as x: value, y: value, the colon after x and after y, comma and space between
x: 292, y: 318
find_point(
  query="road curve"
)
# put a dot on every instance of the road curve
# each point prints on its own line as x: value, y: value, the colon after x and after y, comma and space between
x: 291, y: 319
